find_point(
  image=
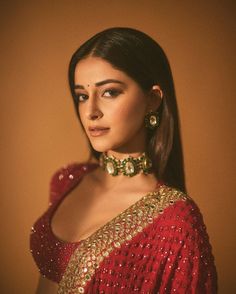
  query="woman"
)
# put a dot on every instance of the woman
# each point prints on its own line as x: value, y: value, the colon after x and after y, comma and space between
x: 124, y: 223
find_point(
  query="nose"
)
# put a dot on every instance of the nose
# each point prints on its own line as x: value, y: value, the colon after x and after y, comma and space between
x: 95, y: 115
x: 93, y: 112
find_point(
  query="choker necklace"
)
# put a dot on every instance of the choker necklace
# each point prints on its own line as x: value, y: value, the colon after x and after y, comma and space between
x: 129, y: 166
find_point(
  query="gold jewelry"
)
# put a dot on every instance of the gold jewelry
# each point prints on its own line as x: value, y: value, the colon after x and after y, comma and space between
x: 152, y: 120
x: 129, y: 166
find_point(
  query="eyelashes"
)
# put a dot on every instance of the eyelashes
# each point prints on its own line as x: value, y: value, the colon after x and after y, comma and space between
x: 108, y: 93
x: 111, y: 93
x: 81, y: 97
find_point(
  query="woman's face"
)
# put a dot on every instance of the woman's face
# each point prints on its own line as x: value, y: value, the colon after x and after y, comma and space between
x: 112, y: 107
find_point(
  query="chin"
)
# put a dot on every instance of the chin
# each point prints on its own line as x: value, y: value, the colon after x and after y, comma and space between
x: 102, y: 146
x: 99, y: 147
x: 107, y: 144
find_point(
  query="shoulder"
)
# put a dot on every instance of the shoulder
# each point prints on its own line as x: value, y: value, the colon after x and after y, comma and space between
x: 180, y: 227
x: 179, y: 208
x: 181, y: 223
x: 66, y: 177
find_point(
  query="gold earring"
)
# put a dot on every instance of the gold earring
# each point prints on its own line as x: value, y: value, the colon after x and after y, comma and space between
x: 152, y: 120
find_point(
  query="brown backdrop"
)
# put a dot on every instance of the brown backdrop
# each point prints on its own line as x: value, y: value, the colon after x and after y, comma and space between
x: 40, y: 132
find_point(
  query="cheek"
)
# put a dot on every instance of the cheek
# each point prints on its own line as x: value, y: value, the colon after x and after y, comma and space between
x: 129, y: 112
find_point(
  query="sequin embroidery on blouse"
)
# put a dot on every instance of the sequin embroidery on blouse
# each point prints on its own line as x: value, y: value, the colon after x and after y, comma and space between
x: 50, y: 253
x: 124, y: 227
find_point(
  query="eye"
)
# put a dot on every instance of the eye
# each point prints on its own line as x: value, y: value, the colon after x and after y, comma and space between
x: 81, y: 97
x: 111, y: 93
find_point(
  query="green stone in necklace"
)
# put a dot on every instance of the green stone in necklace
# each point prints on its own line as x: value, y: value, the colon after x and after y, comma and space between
x: 129, y: 166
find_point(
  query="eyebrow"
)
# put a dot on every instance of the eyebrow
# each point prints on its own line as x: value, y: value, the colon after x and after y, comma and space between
x: 108, y: 81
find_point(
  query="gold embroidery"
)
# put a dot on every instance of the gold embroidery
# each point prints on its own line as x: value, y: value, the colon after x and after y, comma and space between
x: 93, y: 250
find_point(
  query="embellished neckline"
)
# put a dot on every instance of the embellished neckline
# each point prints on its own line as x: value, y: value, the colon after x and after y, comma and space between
x: 55, y: 206
x: 121, y: 229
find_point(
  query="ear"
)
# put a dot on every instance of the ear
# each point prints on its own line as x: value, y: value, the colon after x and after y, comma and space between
x: 155, y: 97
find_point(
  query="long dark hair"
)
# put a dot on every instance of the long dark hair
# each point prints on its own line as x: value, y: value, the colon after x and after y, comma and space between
x: 141, y: 58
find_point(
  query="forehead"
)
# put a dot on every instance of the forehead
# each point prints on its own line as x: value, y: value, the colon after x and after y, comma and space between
x: 95, y: 69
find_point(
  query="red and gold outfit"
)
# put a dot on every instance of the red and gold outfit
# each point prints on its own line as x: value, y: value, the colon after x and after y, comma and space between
x: 157, y: 245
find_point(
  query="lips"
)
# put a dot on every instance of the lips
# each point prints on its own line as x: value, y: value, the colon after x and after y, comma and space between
x: 97, y: 131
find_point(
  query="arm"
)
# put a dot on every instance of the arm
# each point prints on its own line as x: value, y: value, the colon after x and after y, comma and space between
x: 195, y: 271
x: 188, y: 265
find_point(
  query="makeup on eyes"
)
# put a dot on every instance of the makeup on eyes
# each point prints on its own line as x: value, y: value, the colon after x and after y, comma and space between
x: 104, y: 88
x: 107, y: 93
x: 113, y: 92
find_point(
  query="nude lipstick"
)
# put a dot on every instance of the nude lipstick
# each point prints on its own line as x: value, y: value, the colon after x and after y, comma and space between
x: 97, y: 131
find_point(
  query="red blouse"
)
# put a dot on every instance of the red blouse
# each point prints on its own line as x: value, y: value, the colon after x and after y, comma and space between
x: 155, y: 246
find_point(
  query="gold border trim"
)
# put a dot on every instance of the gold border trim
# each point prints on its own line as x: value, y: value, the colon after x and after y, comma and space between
x: 124, y: 227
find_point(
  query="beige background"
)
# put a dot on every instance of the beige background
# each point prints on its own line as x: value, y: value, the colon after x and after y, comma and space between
x: 40, y: 132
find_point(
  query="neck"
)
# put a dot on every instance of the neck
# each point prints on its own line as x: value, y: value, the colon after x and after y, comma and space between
x: 123, y: 155
x: 129, y: 166
x: 124, y: 183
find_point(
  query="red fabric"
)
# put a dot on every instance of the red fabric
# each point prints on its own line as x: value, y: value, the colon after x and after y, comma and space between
x: 171, y: 255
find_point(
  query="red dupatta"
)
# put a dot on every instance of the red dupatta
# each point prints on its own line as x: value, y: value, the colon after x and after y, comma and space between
x: 121, y: 230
